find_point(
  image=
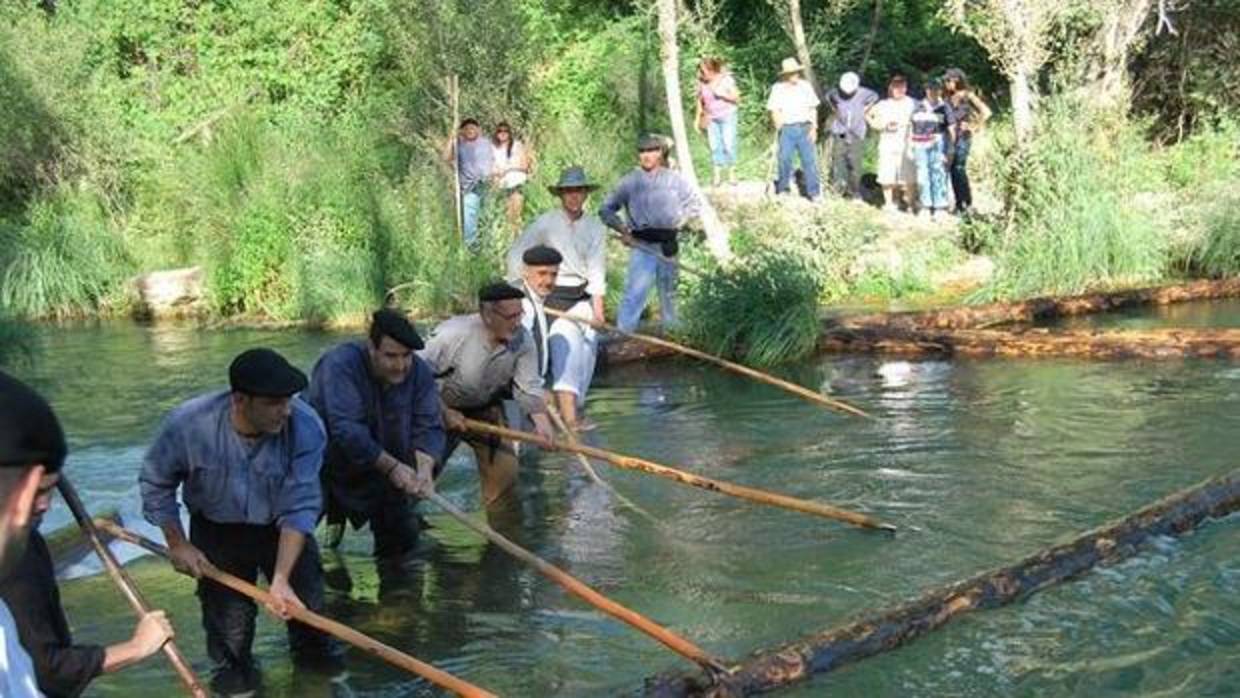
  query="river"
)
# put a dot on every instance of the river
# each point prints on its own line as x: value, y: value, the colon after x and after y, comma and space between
x: 978, y: 462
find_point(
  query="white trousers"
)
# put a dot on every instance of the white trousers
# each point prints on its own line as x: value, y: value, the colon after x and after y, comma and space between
x: 573, y: 347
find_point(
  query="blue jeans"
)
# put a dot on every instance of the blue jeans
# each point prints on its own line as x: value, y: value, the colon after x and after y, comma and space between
x: 931, y: 176
x: 721, y: 135
x: 644, y: 271
x: 471, y: 211
x: 794, y: 140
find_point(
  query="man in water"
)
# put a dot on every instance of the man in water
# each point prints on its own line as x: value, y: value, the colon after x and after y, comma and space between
x: 480, y: 360
x: 32, y: 435
x: 32, y: 450
x: 475, y: 158
x: 657, y: 203
x: 580, y: 286
x: 247, y: 463
x: 384, y: 430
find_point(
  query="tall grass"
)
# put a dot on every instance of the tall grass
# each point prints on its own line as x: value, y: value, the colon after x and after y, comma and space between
x: 1088, y: 207
x: 762, y: 310
x: 61, y: 259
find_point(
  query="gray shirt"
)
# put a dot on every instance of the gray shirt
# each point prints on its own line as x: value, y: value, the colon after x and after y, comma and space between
x: 660, y: 199
x: 582, y: 243
x: 475, y: 159
x: 850, y: 111
x: 229, y: 479
x: 472, y: 372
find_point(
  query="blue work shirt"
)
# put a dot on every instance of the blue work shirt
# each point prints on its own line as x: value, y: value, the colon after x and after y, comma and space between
x: 475, y: 160
x: 365, y: 417
x: 660, y: 199
x: 849, y: 119
x: 230, y: 479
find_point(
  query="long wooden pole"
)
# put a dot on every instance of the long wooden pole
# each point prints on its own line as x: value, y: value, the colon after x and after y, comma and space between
x: 364, y: 642
x: 585, y: 465
x: 723, y: 363
x: 128, y: 589
x: 751, y: 493
x: 648, y: 248
x: 581, y: 590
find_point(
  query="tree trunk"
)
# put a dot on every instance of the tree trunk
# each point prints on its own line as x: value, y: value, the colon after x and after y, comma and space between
x: 1040, y: 343
x: 1036, y: 309
x: 1106, y: 75
x: 869, y: 39
x: 887, y: 629
x: 798, y: 40
x: 1022, y: 104
x: 716, y: 233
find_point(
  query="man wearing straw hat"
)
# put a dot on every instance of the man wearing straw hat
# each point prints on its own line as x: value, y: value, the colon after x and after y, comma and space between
x: 793, y: 105
x: 247, y: 463
x: 580, y: 286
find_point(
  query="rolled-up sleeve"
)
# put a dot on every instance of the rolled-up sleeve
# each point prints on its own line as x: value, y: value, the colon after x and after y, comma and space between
x: 427, y: 430
x: 301, y: 497
x: 342, y: 405
x: 615, y: 200
x: 163, y: 470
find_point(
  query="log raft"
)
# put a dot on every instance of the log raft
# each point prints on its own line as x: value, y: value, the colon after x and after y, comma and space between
x: 1038, y: 342
x: 1041, y: 309
x: 892, y: 627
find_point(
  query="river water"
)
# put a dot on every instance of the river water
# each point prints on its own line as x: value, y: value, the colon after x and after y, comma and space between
x: 978, y: 462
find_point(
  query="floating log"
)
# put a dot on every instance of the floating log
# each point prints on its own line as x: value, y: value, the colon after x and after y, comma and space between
x: 890, y: 628
x: 1038, y: 309
x: 1091, y: 344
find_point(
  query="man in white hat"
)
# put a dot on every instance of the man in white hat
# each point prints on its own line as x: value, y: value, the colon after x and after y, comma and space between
x: 848, y: 128
x: 794, y: 110
x: 580, y: 285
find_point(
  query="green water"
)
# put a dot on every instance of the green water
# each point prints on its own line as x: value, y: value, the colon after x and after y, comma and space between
x: 979, y: 462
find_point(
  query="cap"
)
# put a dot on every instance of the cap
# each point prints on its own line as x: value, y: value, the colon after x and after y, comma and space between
x: 30, y: 433
x: 849, y: 82
x: 541, y: 256
x: 651, y: 141
x: 264, y: 372
x: 390, y: 322
x: 499, y: 291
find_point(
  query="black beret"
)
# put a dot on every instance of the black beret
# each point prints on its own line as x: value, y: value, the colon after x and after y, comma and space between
x: 30, y: 434
x: 264, y: 372
x: 542, y: 256
x: 499, y: 291
x: 392, y: 323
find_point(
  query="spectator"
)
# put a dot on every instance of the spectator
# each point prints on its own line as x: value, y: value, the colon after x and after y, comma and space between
x: 931, y: 133
x: 969, y: 113
x: 717, y: 102
x: 893, y: 116
x: 848, y: 128
x: 474, y: 162
x: 793, y: 105
x: 512, y: 169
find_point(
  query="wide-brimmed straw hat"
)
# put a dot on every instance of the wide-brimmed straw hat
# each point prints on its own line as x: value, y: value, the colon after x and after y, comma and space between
x: 790, y: 65
x: 573, y: 178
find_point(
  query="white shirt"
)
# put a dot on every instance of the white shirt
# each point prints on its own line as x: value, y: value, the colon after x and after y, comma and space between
x: 509, y: 168
x: 793, y: 102
x: 582, y: 243
x: 16, y: 671
x: 893, y: 118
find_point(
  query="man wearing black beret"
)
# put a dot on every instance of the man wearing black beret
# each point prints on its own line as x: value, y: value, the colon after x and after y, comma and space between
x: 384, y: 431
x: 247, y: 462
x: 480, y: 360
x: 539, y: 266
x: 31, y: 442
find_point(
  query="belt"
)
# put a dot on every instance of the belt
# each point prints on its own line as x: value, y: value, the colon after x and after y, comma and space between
x: 665, y: 238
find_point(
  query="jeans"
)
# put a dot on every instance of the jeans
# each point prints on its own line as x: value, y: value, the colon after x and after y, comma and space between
x: 794, y: 140
x: 931, y: 176
x: 721, y: 134
x: 471, y: 211
x: 960, y: 174
x: 645, y: 270
x: 846, y: 165
x: 244, y: 550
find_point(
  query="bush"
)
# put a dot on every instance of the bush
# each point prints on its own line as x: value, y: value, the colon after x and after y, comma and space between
x: 762, y: 310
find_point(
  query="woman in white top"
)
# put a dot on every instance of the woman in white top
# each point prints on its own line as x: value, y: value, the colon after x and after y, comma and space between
x: 511, y: 171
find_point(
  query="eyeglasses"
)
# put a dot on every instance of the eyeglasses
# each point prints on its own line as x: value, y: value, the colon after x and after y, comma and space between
x: 509, y: 317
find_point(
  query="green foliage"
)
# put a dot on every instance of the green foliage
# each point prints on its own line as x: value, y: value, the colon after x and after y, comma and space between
x: 1087, y: 207
x: 762, y: 310
x: 1219, y: 252
x: 61, y: 260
